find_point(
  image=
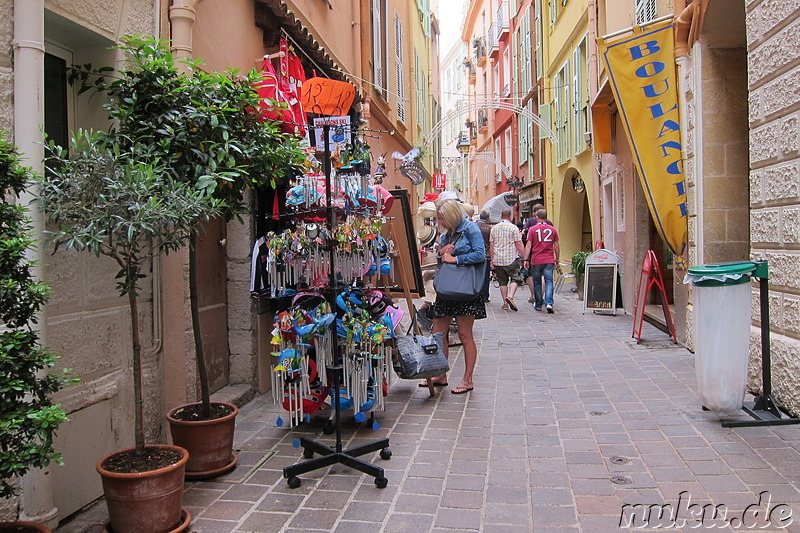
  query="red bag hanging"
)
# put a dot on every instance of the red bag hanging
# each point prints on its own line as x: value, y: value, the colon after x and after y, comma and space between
x: 270, y: 93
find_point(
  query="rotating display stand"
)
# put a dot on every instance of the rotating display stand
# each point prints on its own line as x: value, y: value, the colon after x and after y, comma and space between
x: 335, y: 455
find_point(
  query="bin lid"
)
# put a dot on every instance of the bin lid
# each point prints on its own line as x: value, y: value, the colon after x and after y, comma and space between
x: 721, y: 274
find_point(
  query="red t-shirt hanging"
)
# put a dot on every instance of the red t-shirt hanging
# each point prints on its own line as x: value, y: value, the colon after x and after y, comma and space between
x: 542, y: 238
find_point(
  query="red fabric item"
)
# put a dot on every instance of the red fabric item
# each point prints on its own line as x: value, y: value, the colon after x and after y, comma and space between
x: 429, y: 197
x: 268, y: 89
x: 291, y: 78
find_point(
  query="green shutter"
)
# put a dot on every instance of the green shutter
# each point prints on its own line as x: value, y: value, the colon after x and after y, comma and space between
x: 545, y: 115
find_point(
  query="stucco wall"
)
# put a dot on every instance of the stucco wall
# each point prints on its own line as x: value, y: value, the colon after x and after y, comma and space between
x: 773, y: 41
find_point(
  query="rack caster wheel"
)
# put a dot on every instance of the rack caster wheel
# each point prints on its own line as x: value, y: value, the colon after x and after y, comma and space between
x: 328, y: 427
x: 381, y: 482
x: 294, y: 482
x: 386, y: 454
x: 308, y: 454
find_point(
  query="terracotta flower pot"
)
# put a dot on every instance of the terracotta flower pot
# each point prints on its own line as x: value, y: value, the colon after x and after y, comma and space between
x: 145, y: 501
x: 23, y: 527
x: 209, y: 442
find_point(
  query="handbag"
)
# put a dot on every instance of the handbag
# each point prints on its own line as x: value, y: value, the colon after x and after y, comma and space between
x: 460, y: 283
x: 419, y: 356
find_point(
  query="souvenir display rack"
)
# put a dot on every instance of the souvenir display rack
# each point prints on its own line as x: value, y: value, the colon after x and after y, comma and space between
x: 366, y: 367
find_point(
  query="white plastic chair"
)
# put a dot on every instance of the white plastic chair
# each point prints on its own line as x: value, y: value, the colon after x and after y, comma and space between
x: 566, y: 275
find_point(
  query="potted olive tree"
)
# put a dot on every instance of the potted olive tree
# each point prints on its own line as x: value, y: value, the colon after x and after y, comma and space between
x: 204, y: 127
x: 28, y: 416
x: 122, y: 203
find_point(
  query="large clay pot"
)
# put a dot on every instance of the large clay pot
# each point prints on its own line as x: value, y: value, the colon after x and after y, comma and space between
x: 23, y: 527
x: 209, y: 442
x: 145, y: 501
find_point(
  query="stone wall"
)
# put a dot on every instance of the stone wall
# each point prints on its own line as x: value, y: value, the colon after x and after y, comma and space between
x: 773, y: 41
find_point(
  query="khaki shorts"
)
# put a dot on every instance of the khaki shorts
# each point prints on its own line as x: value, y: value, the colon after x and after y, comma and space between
x: 508, y: 273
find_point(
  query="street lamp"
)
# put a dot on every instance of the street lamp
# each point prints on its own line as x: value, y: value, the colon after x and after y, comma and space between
x: 463, y: 144
x: 514, y: 183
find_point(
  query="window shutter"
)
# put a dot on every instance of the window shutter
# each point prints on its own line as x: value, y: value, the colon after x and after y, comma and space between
x: 545, y: 113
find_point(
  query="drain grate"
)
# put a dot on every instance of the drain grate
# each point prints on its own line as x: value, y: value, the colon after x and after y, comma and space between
x: 598, y: 413
x: 621, y: 480
x: 619, y: 460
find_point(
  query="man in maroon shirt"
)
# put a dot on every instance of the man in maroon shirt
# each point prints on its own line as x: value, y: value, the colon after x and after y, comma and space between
x: 541, y: 258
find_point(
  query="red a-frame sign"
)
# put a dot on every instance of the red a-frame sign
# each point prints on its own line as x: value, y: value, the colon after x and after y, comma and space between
x: 650, y: 276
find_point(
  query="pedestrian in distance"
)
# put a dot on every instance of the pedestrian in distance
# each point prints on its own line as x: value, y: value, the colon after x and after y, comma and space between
x: 541, y: 258
x: 461, y: 243
x: 524, y: 272
x: 486, y: 227
x: 505, y: 250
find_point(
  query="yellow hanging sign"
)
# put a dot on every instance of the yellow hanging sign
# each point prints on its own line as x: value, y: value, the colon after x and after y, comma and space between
x: 641, y: 70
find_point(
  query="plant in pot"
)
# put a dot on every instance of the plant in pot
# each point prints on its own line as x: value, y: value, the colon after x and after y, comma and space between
x: 578, y: 268
x: 28, y: 416
x: 122, y: 203
x: 204, y: 126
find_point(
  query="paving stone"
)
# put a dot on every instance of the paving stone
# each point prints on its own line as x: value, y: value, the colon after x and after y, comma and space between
x: 265, y: 522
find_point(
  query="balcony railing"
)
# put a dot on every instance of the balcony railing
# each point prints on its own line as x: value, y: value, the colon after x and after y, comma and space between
x: 483, y: 119
x: 491, y: 38
x: 501, y: 19
x: 479, y: 45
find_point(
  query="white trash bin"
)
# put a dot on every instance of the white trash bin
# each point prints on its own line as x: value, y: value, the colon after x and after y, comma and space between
x: 722, y: 299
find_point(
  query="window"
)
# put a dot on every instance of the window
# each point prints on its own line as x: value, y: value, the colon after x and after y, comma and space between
x: 537, y: 27
x: 496, y: 80
x: 399, y: 68
x: 498, y: 156
x: 508, y: 159
x: 553, y: 11
x: 525, y: 53
x: 506, y: 83
x: 645, y: 10
x: 561, y: 109
x: 579, y: 98
x: 379, y: 47
x: 56, y: 98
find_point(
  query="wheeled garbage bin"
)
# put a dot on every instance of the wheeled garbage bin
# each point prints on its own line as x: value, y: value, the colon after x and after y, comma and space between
x: 721, y: 317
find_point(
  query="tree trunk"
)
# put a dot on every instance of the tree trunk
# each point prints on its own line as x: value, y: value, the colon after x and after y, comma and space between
x: 137, y: 374
x: 200, y: 354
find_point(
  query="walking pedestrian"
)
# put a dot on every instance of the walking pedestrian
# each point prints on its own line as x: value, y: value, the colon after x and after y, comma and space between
x: 505, y: 250
x: 486, y: 228
x: 462, y: 244
x: 525, y: 272
x: 541, y: 258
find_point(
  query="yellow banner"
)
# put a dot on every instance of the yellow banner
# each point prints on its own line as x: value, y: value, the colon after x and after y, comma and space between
x: 642, y: 76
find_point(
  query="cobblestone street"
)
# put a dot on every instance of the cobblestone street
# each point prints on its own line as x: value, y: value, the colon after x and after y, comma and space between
x: 570, y: 420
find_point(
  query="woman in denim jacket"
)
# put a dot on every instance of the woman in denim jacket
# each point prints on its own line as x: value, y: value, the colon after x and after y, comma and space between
x: 462, y: 243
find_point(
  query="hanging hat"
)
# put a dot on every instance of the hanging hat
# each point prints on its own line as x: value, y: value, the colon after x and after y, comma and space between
x: 448, y: 195
x: 469, y: 209
x: 426, y: 235
x: 429, y: 197
x: 427, y: 210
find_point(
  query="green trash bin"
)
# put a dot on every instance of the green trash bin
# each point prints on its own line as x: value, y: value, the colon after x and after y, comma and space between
x: 721, y: 319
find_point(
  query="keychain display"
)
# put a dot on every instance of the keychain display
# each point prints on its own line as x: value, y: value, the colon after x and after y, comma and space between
x: 357, y: 322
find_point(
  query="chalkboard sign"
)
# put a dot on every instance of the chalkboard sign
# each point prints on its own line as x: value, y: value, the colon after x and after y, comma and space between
x: 601, y: 286
x: 601, y: 282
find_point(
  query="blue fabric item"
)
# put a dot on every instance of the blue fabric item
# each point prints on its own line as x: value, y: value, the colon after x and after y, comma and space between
x: 469, y: 249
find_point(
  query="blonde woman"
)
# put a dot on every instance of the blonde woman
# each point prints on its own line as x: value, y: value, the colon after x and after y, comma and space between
x: 461, y: 243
